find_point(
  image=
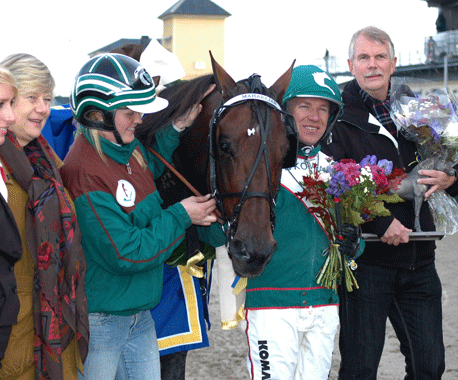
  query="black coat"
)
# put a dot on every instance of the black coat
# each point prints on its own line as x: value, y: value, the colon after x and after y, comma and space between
x: 358, y: 134
x: 10, y: 252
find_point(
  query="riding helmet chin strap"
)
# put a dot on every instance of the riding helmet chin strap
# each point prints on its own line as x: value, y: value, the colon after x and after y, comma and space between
x: 118, y: 137
x: 109, y: 122
x: 106, y: 125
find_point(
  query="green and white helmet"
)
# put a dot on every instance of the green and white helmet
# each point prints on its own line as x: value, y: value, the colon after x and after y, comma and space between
x: 108, y: 82
x: 310, y: 81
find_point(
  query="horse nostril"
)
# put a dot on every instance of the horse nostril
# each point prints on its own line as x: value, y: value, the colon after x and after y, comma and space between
x: 239, y: 249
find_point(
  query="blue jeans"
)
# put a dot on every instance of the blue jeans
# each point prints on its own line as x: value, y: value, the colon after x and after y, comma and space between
x: 122, y: 347
x: 411, y: 299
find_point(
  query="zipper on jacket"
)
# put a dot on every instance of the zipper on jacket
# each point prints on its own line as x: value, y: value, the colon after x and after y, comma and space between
x: 129, y: 169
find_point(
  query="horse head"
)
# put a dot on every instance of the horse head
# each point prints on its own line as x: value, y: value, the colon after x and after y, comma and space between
x: 235, y: 151
x: 248, y: 145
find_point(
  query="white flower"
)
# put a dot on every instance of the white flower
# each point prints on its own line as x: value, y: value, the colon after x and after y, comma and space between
x: 366, y: 172
x: 324, y: 176
x: 451, y: 130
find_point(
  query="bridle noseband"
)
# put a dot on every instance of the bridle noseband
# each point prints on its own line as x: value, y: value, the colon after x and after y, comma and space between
x: 258, y: 95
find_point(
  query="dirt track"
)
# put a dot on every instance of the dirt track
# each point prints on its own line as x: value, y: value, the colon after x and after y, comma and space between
x: 225, y: 359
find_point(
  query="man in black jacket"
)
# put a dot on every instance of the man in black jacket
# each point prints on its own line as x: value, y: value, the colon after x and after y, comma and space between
x: 397, y: 277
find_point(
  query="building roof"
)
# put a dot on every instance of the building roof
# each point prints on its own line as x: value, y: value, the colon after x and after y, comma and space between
x: 145, y: 40
x: 442, y: 3
x: 194, y: 7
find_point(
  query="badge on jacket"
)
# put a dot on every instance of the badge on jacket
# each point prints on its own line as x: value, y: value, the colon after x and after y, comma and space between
x: 125, y: 193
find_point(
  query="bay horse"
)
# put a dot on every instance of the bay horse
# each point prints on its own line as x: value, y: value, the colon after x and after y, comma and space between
x: 235, y: 149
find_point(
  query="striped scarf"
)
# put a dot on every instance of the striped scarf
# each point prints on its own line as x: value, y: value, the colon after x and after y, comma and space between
x: 380, y: 109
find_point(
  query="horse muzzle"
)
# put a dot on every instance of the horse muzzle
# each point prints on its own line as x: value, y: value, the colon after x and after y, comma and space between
x: 249, y: 258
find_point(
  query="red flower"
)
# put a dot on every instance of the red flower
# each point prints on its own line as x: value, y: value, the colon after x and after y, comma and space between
x: 380, y: 180
x: 347, y: 161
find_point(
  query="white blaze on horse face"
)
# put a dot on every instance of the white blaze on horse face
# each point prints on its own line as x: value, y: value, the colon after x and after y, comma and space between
x: 251, y: 132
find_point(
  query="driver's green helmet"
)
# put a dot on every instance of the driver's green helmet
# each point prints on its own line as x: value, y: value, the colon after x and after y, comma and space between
x: 108, y: 82
x: 311, y: 81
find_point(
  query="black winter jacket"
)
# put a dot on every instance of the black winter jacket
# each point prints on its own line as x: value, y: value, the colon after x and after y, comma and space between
x: 358, y: 134
x: 10, y: 252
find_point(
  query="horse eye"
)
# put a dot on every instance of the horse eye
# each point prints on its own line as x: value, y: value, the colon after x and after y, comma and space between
x: 224, y: 146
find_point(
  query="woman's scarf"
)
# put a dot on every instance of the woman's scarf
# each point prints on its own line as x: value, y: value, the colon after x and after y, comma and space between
x: 54, y: 240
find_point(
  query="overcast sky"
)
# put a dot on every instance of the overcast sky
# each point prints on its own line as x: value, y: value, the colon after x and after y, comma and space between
x: 261, y: 36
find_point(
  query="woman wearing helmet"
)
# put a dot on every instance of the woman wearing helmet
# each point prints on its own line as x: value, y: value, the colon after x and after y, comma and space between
x: 291, y: 320
x: 127, y: 235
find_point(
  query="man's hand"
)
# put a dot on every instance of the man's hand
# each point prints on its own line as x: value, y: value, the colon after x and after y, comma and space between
x: 436, y: 179
x: 201, y: 210
x: 396, y: 233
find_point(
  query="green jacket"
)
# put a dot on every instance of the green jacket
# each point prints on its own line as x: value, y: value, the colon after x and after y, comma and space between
x: 126, y: 234
x: 289, y: 279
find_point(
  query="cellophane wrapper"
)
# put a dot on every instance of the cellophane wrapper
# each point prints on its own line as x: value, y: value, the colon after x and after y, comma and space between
x: 432, y: 123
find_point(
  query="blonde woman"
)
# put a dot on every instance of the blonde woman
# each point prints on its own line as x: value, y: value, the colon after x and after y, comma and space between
x: 51, y: 336
x: 8, y: 91
x: 10, y: 241
x: 127, y: 235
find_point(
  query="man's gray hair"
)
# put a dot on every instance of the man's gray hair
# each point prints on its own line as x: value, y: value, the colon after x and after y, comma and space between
x: 374, y: 34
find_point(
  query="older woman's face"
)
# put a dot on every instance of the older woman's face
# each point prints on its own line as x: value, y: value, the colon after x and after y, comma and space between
x: 31, y: 112
x: 7, y: 94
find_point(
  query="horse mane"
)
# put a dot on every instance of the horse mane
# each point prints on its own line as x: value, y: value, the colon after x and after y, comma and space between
x: 181, y: 96
x: 131, y: 50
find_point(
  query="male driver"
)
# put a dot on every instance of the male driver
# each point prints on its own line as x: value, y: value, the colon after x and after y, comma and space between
x: 291, y: 320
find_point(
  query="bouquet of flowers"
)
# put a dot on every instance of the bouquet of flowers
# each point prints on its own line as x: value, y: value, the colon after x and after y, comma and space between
x: 348, y: 192
x: 431, y: 122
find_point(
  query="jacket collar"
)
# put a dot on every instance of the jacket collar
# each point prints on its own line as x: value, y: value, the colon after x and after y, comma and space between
x: 356, y: 112
x: 118, y: 153
x: 308, y: 151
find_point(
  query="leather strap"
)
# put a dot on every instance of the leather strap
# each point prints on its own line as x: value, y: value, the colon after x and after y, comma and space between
x: 182, y: 179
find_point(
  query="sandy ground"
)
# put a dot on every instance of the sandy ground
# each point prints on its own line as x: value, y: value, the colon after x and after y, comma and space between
x: 225, y: 359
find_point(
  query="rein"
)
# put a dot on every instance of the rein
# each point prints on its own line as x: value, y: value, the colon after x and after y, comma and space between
x: 176, y: 172
x: 181, y: 178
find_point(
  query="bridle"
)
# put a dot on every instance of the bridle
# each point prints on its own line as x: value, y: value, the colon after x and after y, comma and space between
x: 258, y: 94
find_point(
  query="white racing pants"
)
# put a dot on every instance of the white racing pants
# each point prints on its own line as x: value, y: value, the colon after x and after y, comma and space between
x: 291, y: 344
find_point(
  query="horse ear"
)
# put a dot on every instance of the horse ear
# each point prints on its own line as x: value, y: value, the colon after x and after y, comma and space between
x: 156, y: 80
x: 281, y: 85
x: 224, y: 82
x: 131, y: 50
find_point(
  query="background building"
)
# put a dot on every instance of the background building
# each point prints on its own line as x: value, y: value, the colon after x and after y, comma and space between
x: 192, y: 28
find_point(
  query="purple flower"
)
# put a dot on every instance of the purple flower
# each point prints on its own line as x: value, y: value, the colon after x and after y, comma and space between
x: 368, y: 160
x: 338, y: 185
x: 387, y: 165
x: 365, y: 216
